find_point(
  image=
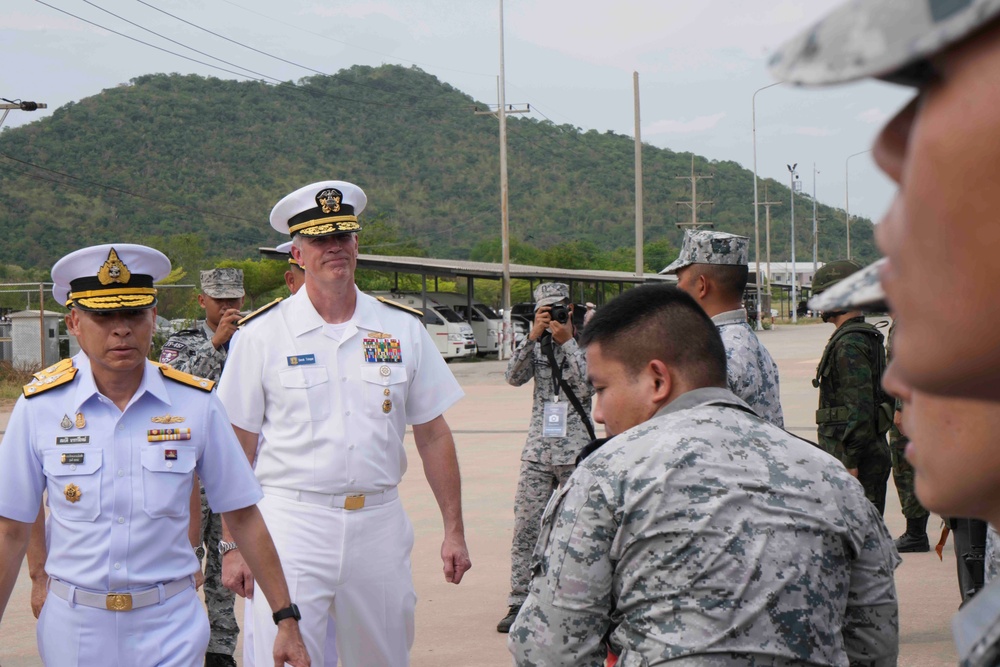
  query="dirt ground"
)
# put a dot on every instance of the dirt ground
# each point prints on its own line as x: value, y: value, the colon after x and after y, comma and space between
x: 456, y: 625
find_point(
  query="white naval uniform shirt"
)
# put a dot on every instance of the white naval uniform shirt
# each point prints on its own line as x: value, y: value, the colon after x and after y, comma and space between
x: 128, y: 529
x: 330, y: 403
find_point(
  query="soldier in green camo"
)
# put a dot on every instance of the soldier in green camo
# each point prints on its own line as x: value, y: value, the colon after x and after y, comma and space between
x: 700, y: 534
x: 854, y: 413
x: 914, y: 540
x: 202, y: 351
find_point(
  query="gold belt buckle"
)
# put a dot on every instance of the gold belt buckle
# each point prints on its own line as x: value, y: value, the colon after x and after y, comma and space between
x: 354, y: 502
x: 119, y: 602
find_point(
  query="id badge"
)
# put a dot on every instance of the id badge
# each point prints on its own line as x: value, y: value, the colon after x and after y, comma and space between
x: 554, y: 420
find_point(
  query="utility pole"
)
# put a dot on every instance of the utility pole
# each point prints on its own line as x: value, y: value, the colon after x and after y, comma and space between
x: 694, y: 203
x: 792, y: 181
x: 7, y: 105
x: 767, y: 235
x: 815, y: 225
x: 502, y: 112
x: 638, y: 180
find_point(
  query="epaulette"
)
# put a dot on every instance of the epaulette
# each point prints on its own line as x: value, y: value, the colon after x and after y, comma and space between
x: 185, y: 378
x: 263, y: 309
x: 47, y: 378
x: 394, y: 304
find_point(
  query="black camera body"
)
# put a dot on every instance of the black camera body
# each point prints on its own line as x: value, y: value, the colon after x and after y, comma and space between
x: 559, y: 313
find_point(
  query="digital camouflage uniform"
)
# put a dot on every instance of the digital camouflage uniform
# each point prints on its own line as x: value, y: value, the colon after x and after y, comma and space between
x: 847, y: 418
x: 545, y: 462
x: 750, y: 371
x: 708, y: 536
x: 191, y: 351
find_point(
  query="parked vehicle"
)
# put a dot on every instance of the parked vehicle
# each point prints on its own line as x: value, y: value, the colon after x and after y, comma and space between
x: 486, y: 323
x: 452, y: 335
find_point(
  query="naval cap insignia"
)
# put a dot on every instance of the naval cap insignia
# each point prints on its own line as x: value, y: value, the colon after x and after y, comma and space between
x: 113, y: 270
x: 329, y: 200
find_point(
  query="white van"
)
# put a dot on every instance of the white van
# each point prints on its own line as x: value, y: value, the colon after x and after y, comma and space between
x: 486, y: 323
x: 452, y: 335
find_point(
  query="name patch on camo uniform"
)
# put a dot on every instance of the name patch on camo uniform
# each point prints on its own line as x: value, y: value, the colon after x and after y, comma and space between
x: 382, y: 350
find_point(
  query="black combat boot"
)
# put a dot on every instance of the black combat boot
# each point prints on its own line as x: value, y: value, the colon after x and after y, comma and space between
x: 914, y: 540
x: 508, y: 620
x: 219, y: 660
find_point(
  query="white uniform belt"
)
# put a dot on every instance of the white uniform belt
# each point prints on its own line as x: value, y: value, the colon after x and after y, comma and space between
x: 348, y: 501
x: 124, y: 601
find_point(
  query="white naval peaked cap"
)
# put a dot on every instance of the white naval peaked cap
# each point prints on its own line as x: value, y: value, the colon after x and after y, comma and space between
x: 108, y: 277
x: 320, y: 209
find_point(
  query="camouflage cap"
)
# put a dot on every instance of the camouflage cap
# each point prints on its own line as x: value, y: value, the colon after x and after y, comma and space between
x: 222, y: 283
x: 886, y: 39
x: 860, y: 291
x: 547, y: 294
x: 708, y: 247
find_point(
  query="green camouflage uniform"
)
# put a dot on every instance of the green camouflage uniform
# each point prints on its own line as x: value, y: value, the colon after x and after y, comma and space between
x: 707, y: 536
x: 902, y: 470
x: 191, y: 351
x: 847, y: 418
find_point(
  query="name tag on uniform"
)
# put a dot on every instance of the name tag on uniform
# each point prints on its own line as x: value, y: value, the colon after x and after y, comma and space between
x: 75, y: 458
x: 382, y: 350
x: 300, y: 359
x: 554, y: 420
x: 73, y: 440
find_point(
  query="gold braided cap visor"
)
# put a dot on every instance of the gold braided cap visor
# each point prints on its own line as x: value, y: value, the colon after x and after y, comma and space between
x: 121, y: 298
x: 324, y: 226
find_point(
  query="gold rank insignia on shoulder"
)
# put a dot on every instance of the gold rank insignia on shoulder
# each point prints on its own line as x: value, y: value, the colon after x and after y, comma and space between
x: 260, y: 311
x: 49, y: 378
x: 72, y: 493
x: 167, y: 419
x: 396, y: 304
x: 185, y: 378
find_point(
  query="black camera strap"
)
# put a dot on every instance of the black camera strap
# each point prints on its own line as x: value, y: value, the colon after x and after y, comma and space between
x: 558, y: 381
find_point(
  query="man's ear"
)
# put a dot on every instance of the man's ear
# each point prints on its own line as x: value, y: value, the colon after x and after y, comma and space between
x: 703, y: 286
x: 72, y: 323
x: 201, y: 300
x: 663, y: 384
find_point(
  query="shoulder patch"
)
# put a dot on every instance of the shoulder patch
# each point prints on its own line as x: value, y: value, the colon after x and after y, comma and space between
x: 203, y: 384
x: 48, y: 378
x: 390, y: 302
x: 260, y: 311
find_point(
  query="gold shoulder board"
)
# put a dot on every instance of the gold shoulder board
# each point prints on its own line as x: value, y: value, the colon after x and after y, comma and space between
x: 54, y: 369
x: 390, y: 302
x: 185, y: 378
x: 263, y: 309
x: 47, y: 379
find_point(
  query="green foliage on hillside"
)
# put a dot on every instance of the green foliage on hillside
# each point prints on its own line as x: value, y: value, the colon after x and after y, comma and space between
x: 197, y: 163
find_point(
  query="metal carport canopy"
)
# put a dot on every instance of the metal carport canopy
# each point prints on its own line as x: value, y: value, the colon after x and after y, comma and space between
x: 494, y: 270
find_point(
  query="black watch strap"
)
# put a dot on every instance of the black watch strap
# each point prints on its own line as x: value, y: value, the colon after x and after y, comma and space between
x: 291, y: 611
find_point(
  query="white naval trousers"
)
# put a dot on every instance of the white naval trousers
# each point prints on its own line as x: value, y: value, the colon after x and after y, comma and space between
x: 172, y: 634
x: 351, y: 564
x: 330, y: 651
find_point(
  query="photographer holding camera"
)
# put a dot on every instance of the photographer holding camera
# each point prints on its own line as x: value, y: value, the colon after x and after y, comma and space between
x: 560, y: 424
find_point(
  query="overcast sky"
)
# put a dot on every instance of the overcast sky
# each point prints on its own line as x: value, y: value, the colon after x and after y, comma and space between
x: 699, y: 63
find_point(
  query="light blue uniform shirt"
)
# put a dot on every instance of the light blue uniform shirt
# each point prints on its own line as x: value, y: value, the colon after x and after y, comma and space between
x: 128, y: 529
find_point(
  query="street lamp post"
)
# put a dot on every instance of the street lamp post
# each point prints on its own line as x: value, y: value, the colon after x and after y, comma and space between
x: 815, y: 223
x: 847, y: 197
x: 756, y: 207
x: 792, y: 175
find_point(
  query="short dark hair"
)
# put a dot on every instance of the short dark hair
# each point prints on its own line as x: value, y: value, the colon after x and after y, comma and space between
x: 660, y: 322
x: 729, y: 279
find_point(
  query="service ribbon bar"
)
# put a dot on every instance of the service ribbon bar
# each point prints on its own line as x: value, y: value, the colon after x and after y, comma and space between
x: 165, y: 434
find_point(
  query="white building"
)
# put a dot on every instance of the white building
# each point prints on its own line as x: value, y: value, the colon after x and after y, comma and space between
x: 782, y: 273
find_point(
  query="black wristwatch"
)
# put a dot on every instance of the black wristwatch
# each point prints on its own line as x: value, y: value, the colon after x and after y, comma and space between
x: 291, y: 611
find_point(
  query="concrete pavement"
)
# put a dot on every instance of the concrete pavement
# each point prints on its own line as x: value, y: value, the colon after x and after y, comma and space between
x: 456, y: 624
